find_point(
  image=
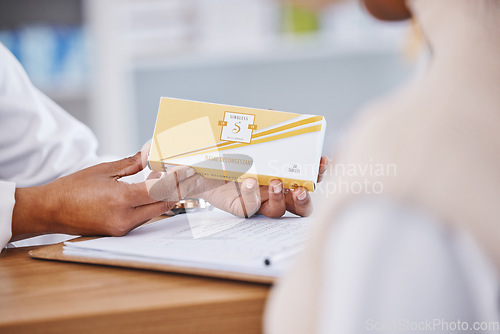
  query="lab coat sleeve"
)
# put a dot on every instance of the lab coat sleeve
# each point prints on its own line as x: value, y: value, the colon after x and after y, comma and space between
x: 7, y: 201
x: 39, y: 141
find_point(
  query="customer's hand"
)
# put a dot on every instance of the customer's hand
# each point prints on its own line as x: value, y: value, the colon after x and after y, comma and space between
x: 241, y: 199
x: 276, y: 200
x: 94, y: 201
x: 246, y: 198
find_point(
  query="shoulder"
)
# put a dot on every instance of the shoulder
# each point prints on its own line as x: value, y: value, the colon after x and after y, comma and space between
x: 389, y: 121
x: 13, y: 78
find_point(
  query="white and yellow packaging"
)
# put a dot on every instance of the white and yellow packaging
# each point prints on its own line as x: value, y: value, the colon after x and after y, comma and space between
x: 232, y: 143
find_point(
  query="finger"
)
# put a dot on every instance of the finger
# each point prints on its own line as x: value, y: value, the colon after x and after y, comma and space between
x: 171, y: 186
x: 323, y: 166
x: 154, y: 175
x: 124, y: 167
x: 264, y: 193
x: 300, y: 202
x: 138, y: 192
x: 144, y: 213
x: 139, y: 195
x: 144, y: 153
x: 248, y: 201
x: 275, y: 206
x: 138, y: 216
x: 206, y: 186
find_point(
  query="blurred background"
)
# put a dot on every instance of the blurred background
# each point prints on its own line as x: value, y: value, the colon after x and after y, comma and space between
x: 108, y: 62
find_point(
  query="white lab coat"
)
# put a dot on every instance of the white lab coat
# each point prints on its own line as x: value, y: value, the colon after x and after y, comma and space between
x: 39, y: 141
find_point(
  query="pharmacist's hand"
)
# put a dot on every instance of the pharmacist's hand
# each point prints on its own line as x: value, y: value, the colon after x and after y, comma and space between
x: 276, y: 200
x: 94, y: 201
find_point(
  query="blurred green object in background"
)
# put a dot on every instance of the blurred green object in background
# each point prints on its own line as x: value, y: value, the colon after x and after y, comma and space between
x: 298, y: 20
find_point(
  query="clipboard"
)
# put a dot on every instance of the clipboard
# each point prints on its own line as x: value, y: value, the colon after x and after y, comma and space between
x: 55, y: 252
x: 246, y: 232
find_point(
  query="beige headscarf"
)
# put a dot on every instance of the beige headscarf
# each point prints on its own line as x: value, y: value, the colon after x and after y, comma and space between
x: 442, y: 131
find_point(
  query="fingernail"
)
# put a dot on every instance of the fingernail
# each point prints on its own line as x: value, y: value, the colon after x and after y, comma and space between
x: 302, y: 195
x: 250, y: 183
x: 277, y: 188
x: 190, y: 172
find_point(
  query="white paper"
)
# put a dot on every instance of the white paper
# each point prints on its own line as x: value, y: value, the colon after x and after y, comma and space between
x: 206, y: 239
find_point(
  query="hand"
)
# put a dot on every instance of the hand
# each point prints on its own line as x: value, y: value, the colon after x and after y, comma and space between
x: 276, y: 200
x: 245, y: 199
x: 241, y: 199
x: 94, y: 201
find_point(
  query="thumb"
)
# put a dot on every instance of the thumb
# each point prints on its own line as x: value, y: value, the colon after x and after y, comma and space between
x: 144, y: 153
x: 125, y: 167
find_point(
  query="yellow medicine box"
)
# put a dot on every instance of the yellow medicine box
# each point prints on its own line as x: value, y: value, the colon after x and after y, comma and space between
x: 232, y: 143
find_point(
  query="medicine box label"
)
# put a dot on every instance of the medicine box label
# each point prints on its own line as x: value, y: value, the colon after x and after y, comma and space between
x: 237, y: 127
